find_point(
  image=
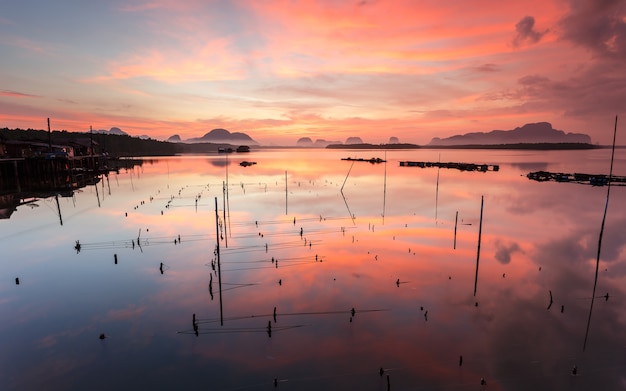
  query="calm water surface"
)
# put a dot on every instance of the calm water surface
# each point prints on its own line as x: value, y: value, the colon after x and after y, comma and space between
x: 378, y: 239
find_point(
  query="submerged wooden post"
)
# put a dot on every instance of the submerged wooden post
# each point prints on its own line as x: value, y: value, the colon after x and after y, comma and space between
x: 437, y: 190
x: 385, y: 189
x: 224, y: 203
x: 56, y: 196
x: 97, y: 194
x: 219, y: 272
x: 456, y: 221
x: 606, y: 206
x: 480, y: 230
x: 49, y: 137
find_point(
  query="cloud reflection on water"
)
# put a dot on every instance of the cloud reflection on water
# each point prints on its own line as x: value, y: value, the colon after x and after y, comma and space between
x: 537, y: 238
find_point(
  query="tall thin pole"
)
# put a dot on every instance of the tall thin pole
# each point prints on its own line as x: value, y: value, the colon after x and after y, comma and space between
x: 219, y: 271
x: 56, y: 196
x: 95, y: 185
x: 224, y: 202
x: 227, y: 205
x: 480, y: 231
x: 437, y: 190
x: 49, y: 137
x: 92, y: 162
x: 344, y: 197
x: 456, y: 220
x: 606, y: 205
x: 347, y: 175
x: 228, y: 212
x: 385, y: 189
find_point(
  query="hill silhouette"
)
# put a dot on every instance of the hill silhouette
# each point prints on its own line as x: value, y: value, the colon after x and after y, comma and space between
x: 541, y: 132
x: 223, y: 136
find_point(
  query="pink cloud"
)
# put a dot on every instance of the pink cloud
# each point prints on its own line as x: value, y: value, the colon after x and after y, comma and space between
x: 281, y: 70
x: 16, y: 94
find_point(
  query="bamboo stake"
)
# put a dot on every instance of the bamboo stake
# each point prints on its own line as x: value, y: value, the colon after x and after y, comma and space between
x: 224, y: 203
x: 606, y: 205
x: 456, y: 221
x: 219, y: 271
x: 385, y: 189
x: 437, y: 190
x: 480, y: 230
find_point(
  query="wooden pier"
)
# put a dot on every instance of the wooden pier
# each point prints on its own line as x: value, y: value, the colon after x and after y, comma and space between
x: 458, y: 166
x: 56, y: 172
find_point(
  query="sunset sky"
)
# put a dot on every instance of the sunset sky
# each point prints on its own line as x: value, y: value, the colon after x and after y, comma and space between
x: 281, y: 70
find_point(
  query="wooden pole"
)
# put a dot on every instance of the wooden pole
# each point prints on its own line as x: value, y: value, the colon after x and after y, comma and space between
x: 49, y: 137
x: 224, y: 203
x: 227, y: 206
x: 219, y: 271
x: 92, y: 161
x: 480, y: 230
x: 437, y: 190
x: 456, y: 221
x: 385, y: 189
x: 56, y: 196
x: 606, y: 205
x: 96, y: 187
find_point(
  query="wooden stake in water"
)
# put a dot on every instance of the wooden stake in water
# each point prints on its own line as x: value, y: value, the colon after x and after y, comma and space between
x: 606, y: 205
x: 437, y: 190
x: 384, y: 189
x: 97, y: 194
x: 49, y: 137
x: 219, y: 271
x: 456, y: 221
x: 343, y: 195
x: 224, y: 203
x: 480, y: 231
x: 56, y: 196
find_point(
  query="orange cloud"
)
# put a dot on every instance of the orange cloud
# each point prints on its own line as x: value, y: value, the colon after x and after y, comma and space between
x: 16, y: 94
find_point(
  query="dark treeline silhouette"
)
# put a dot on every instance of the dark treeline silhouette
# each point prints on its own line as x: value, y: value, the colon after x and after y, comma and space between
x: 112, y: 144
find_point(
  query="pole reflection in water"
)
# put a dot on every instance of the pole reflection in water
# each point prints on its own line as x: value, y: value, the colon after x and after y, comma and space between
x: 356, y: 309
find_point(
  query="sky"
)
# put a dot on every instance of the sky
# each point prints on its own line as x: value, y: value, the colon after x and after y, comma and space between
x: 325, y: 69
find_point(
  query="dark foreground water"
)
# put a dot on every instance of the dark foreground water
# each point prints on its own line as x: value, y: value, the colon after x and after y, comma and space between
x: 330, y: 271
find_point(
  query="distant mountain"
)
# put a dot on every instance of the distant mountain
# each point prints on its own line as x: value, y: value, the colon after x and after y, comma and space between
x: 117, y: 131
x: 394, y: 140
x: 174, y: 139
x: 354, y: 140
x: 223, y: 136
x: 541, y: 132
x: 113, y: 130
x: 304, y: 142
x: 319, y: 143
